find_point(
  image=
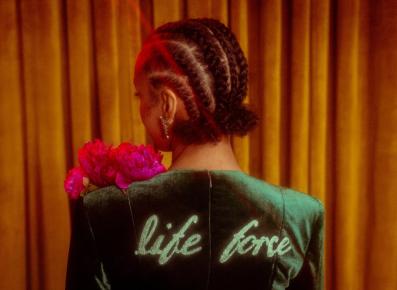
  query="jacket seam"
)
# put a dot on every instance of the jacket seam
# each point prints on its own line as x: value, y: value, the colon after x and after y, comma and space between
x: 87, y: 216
x: 135, y: 233
x: 314, y: 227
x: 276, y: 256
x: 97, y: 255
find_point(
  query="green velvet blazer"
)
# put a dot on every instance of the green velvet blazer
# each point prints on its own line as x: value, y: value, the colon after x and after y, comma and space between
x: 197, y: 229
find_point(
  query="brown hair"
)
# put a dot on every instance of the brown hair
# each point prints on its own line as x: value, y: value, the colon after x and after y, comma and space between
x: 202, y: 61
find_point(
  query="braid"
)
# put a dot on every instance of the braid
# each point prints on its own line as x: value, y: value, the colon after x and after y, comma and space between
x: 199, y: 100
x: 211, y: 51
x: 197, y: 80
x: 201, y: 86
x: 233, y: 66
x: 232, y: 114
x: 225, y: 32
x: 197, y: 75
x: 203, y: 62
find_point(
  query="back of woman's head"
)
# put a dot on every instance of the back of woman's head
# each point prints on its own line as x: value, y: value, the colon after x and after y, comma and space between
x: 202, y: 62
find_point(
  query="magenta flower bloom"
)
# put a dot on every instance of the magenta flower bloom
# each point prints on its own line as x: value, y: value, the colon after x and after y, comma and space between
x: 135, y: 163
x: 95, y: 159
x: 102, y: 165
x: 75, y: 182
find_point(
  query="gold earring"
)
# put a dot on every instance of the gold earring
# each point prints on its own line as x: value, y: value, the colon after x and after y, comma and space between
x: 165, y: 124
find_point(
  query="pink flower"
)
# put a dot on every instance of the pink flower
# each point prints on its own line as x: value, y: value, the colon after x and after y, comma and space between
x: 101, y: 165
x: 75, y: 182
x: 95, y: 159
x: 135, y: 163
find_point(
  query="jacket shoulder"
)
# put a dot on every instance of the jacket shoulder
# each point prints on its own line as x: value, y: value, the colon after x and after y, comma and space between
x: 106, y: 202
x: 98, y: 196
x: 260, y: 191
x: 301, y: 204
x: 302, y: 224
x: 303, y: 217
x: 297, y: 205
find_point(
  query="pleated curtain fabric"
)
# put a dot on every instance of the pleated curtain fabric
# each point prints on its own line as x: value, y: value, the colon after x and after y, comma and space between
x: 322, y: 79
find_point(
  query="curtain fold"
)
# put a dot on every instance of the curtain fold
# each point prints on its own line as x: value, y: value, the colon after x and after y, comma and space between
x: 321, y: 77
x: 13, y: 220
x: 351, y: 140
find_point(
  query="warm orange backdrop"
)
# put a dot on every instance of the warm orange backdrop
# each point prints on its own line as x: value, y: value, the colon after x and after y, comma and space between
x: 323, y: 78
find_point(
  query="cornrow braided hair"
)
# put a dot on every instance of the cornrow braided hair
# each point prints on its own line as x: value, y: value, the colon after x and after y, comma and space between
x: 239, y: 72
x: 184, y: 60
x: 237, y: 61
x: 211, y: 50
x: 202, y: 61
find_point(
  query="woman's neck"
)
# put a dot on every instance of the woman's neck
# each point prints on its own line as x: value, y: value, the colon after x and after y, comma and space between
x: 205, y: 156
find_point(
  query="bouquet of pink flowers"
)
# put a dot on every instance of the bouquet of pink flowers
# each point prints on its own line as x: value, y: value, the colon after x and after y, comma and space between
x: 102, y: 165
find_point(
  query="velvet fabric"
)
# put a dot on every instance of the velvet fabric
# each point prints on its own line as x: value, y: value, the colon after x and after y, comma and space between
x: 108, y: 230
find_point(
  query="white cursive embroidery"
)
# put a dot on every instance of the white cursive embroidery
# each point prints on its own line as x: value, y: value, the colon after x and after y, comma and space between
x: 243, y: 245
x: 240, y: 243
x: 172, y: 247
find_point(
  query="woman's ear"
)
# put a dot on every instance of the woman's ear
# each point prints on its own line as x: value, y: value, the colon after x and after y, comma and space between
x: 169, y: 104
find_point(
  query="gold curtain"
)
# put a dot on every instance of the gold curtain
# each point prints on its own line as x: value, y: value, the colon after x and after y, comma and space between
x: 322, y: 77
